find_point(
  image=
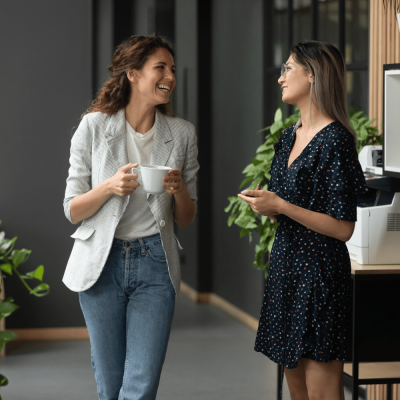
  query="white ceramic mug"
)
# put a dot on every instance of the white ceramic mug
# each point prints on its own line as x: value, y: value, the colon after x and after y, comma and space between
x: 151, y: 177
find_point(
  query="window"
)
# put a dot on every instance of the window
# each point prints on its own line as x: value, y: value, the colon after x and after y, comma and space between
x: 344, y: 23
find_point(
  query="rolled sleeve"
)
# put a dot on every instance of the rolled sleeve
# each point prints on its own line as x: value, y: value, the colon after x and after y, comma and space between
x: 80, y: 170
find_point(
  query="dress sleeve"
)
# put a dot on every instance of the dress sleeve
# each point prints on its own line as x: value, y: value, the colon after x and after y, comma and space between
x: 339, y: 177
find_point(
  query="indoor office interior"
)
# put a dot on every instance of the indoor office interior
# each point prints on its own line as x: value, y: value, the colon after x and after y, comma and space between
x: 228, y: 56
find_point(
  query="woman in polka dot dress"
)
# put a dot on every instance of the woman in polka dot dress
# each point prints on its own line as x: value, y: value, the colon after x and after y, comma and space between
x: 315, y: 179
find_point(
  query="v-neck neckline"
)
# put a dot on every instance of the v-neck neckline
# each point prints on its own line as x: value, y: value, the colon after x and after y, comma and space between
x: 305, y: 147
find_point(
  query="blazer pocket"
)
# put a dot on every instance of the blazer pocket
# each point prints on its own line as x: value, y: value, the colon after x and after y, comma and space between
x: 176, y: 162
x: 83, y: 232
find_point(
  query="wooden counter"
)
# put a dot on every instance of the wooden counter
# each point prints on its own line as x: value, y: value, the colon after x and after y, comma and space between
x: 360, y: 269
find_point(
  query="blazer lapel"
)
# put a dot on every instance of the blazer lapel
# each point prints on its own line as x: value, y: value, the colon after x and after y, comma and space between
x: 116, y: 138
x: 162, y: 141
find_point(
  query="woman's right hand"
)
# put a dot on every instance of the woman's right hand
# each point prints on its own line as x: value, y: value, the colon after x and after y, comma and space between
x: 122, y: 183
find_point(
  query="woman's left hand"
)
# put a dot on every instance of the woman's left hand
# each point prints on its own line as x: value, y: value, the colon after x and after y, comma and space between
x: 173, y: 182
x: 262, y: 201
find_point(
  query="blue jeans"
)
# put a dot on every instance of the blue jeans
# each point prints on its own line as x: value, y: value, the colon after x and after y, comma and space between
x: 128, y: 313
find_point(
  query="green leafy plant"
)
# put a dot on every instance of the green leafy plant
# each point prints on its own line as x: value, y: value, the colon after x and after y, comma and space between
x: 257, y: 172
x: 366, y: 134
x: 10, y: 260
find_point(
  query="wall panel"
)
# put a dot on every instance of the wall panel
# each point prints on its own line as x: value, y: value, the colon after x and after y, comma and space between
x: 384, y: 49
x: 237, y: 116
x: 46, y: 86
x: 186, y: 102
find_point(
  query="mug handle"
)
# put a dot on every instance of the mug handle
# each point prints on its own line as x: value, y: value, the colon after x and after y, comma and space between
x: 132, y: 172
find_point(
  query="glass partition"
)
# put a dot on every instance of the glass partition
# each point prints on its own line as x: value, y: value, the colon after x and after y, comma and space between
x: 328, y: 21
x: 301, y: 20
x: 356, y: 31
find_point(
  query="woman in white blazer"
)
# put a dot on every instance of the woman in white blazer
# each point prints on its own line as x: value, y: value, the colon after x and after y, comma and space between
x: 124, y: 262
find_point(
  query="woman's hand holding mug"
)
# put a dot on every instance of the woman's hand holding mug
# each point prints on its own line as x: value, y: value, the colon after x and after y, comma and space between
x: 122, y: 183
x: 173, y: 182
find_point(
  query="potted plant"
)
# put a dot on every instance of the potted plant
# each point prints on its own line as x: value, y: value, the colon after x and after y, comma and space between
x: 10, y: 260
x: 257, y: 172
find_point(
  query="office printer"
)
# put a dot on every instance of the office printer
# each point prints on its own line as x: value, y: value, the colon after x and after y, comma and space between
x: 376, y: 237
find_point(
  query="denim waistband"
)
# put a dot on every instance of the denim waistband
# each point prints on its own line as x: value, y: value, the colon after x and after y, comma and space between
x: 136, y: 243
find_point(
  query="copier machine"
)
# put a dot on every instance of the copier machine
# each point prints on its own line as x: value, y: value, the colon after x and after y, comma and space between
x: 376, y: 237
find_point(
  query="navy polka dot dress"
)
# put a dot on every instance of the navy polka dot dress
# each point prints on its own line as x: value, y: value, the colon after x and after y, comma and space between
x: 307, y: 300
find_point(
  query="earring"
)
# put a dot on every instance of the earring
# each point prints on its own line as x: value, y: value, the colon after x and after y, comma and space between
x: 311, y: 98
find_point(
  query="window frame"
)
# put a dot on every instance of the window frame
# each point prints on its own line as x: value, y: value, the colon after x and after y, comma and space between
x: 269, y: 71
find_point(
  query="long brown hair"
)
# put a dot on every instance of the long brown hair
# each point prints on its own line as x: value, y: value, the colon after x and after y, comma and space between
x: 325, y: 62
x: 131, y: 54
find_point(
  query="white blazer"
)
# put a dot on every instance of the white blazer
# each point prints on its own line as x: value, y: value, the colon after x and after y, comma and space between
x: 98, y: 151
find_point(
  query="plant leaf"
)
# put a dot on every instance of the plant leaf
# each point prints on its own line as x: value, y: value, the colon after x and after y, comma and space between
x: 244, y: 220
x: 231, y: 219
x: 249, y: 179
x: 9, y: 299
x: 249, y: 169
x: 7, y: 308
x: 20, y: 256
x: 3, y: 381
x: 7, y: 336
x: 37, y: 273
x: 278, y: 115
x: 363, y: 133
x: 7, y: 244
x: 232, y: 201
x: 264, y: 147
x: 244, y: 232
x: 41, y: 290
x: 6, y: 268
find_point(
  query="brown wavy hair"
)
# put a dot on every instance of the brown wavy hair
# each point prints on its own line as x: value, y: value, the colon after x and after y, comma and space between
x: 131, y: 54
x: 325, y: 62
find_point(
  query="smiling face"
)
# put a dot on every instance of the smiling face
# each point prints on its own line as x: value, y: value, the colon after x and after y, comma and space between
x: 156, y: 80
x: 296, y: 83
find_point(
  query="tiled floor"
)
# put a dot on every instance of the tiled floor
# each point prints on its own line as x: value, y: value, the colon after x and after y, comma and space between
x: 210, y: 357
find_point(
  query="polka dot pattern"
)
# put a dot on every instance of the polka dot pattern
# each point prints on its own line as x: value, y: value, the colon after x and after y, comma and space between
x: 307, y: 300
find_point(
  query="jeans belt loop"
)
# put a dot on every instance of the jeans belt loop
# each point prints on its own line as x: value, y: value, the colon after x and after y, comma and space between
x: 142, y: 246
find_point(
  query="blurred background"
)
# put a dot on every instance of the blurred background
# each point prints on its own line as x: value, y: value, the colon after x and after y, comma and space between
x: 54, y: 58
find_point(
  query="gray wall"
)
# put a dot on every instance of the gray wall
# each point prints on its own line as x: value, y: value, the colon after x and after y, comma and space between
x: 103, y: 42
x: 186, y: 107
x: 144, y: 17
x: 46, y: 85
x: 237, y: 113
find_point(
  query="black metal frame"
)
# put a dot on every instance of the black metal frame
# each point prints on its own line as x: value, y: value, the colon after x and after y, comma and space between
x: 205, y: 175
x: 358, y: 279
x: 386, y: 67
